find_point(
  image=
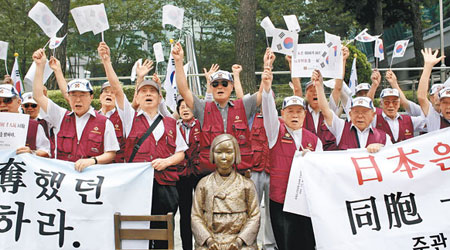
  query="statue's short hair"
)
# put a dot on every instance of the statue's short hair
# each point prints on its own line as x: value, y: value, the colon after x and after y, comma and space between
x: 223, y: 138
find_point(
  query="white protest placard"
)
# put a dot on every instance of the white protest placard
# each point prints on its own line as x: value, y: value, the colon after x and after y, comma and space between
x: 159, y: 53
x: 333, y: 60
x: 3, y: 50
x: 45, y: 18
x: 292, y: 23
x: 173, y: 15
x: 29, y: 77
x: 307, y: 57
x: 398, y: 198
x: 284, y: 41
x: 13, y: 130
x: 268, y: 26
x: 49, y: 205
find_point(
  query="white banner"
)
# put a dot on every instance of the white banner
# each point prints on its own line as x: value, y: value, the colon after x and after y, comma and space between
x: 13, y: 130
x: 308, y: 57
x: 398, y: 198
x: 46, y: 205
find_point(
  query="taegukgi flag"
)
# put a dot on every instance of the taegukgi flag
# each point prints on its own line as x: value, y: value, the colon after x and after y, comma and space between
x: 173, y: 15
x: 56, y: 41
x: 365, y: 37
x: 292, y: 23
x: 400, y: 48
x: 15, y: 76
x: 45, y: 18
x: 284, y: 41
x: 379, y: 49
x: 353, y: 78
x: 268, y: 26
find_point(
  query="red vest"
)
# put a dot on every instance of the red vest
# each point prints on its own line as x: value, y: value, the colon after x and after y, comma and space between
x: 444, y: 123
x: 260, y: 145
x: 152, y: 149
x: 405, y: 127
x: 281, y: 156
x: 349, y: 138
x: 118, y: 128
x: 31, y: 134
x: 237, y: 126
x: 50, y: 136
x: 191, y: 163
x: 327, y: 138
x: 91, y: 142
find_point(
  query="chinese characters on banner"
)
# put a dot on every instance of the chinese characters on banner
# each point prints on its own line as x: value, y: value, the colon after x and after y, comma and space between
x: 398, y: 198
x: 46, y: 204
x: 13, y: 130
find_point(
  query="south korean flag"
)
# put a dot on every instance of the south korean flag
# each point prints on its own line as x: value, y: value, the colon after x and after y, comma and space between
x: 284, y: 41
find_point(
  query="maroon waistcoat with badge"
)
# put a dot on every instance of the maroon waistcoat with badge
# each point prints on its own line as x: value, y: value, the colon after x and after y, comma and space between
x: 237, y: 126
x: 281, y: 156
x: 444, y: 123
x: 191, y: 163
x: 327, y: 138
x: 151, y: 149
x: 118, y: 128
x: 70, y: 148
x: 405, y: 127
x: 31, y: 134
x: 260, y: 145
x: 50, y: 136
x: 349, y: 138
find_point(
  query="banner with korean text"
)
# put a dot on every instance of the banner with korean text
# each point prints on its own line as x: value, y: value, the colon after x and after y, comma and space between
x: 45, y: 204
x: 398, y: 198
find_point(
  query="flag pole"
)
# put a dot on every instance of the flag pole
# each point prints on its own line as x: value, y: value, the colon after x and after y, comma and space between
x: 103, y: 37
x: 6, y: 67
x: 47, y: 44
x: 267, y: 41
x: 156, y: 68
x: 392, y: 59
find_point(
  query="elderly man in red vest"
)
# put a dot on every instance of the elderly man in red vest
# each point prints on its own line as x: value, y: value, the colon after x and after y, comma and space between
x: 435, y: 119
x: 398, y: 127
x: 285, y: 137
x: 221, y: 116
x: 358, y: 132
x: 36, y: 141
x: 83, y: 136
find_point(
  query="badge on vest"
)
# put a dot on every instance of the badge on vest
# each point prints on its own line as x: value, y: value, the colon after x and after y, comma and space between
x: 407, y: 132
x: 242, y: 137
x: 237, y: 119
x: 309, y: 146
x: 116, y: 127
x: 287, y: 138
x: 196, y: 131
x: 95, y: 150
x: 95, y: 131
x: 170, y: 133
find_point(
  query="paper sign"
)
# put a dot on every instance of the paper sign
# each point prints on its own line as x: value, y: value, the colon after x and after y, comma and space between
x: 13, y: 130
x: 3, y: 50
x: 158, y: 50
x: 307, y: 57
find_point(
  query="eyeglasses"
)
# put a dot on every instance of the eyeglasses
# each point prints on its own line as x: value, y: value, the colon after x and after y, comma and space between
x: 215, y: 84
x: 27, y: 105
x: 387, y: 103
x: 6, y: 101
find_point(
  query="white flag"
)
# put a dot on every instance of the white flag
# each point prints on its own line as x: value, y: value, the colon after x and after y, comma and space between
x: 170, y: 84
x: 379, y: 49
x: 56, y: 41
x: 158, y: 50
x: 29, y: 77
x: 292, y: 23
x: 15, y: 76
x: 353, y: 81
x: 81, y: 17
x: 365, y: 37
x: 400, y: 48
x: 173, y: 15
x: 284, y: 41
x: 133, y: 70
x: 3, y: 50
x: 44, y: 17
x: 99, y: 18
x: 268, y: 26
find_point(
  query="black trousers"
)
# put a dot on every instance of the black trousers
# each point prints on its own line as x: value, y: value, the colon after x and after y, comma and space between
x: 185, y: 187
x: 291, y: 231
x: 164, y: 200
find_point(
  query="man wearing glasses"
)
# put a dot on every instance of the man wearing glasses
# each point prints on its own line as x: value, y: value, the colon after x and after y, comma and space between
x: 36, y: 143
x: 223, y: 115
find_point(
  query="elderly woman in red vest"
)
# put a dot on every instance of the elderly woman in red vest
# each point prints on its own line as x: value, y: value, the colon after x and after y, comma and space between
x: 286, y: 136
x: 36, y: 141
x: 83, y: 136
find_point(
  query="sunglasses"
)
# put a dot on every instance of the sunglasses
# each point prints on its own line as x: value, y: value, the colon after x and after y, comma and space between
x: 216, y: 83
x: 6, y: 101
x: 27, y: 105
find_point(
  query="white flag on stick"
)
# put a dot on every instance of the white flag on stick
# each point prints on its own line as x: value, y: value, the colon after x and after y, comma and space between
x: 170, y: 84
x: 365, y: 37
x: 44, y: 17
x: 56, y: 41
x: 379, y: 49
x: 29, y: 77
x: 268, y: 26
x: 15, y: 76
x: 353, y: 81
x: 159, y: 53
x: 81, y: 17
x: 99, y: 18
x: 3, y: 50
x: 400, y: 48
x: 173, y: 15
x: 284, y: 41
x: 292, y: 23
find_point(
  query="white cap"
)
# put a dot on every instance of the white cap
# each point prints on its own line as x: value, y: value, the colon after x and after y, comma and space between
x: 149, y: 83
x: 28, y: 98
x: 222, y: 75
x: 293, y: 100
x: 389, y: 92
x: 362, y: 86
x: 444, y: 93
x: 8, y: 91
x: 363, y: 101
x: 82, y: 85
x: 435, y: 88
